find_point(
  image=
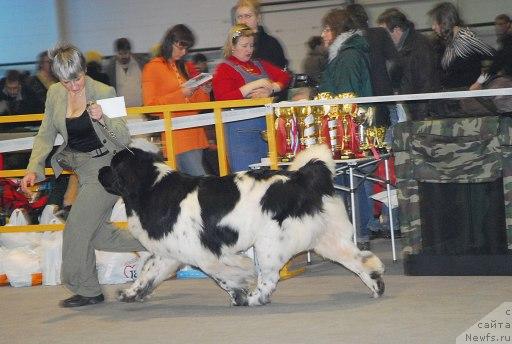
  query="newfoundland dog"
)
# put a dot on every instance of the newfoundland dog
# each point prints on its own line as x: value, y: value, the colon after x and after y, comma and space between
x: 209, y: 222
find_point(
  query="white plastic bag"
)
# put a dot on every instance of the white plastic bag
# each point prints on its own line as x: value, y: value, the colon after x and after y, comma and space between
x: 3, y: 276
x: 48, y: 215
x: 22, y: 267
x: 117, y: 267
x: 118, y: 212
x: 51, y: 257
x: 15, y: 240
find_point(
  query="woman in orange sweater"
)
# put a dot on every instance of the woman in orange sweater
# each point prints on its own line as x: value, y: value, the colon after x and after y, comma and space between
x: 162, y: 83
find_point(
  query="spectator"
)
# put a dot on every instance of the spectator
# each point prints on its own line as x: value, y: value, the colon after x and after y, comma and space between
x: 241, y: 76
x: 163, y: 80
x: 382, y: 54
x: 124, y: 72
x: 94, y: 68
x: 200, y: 63
x: 266, y: 46
x: 16, y: 98
x: 416, y: 68
x: 316, y: 59
x: 348, y: 71
x: 348, y: 62
x: 503, y: 28
x: 43, y: 79
x: 464, y: 53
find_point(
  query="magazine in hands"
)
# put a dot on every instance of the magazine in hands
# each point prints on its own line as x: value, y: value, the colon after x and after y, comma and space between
x: 198, y: 80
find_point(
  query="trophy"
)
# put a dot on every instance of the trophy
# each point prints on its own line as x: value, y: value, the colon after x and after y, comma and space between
x: 348, y: 111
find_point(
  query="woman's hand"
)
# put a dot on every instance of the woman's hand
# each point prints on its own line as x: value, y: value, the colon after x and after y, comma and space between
x: 255, y: 87
x: 95, y: 111
x: 206, y: 87
x: 260, y: 93
x: 28, y: 180
x: 187, y: 91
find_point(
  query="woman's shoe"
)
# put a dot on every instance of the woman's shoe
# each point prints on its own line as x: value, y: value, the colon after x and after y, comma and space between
x: 79, y: 300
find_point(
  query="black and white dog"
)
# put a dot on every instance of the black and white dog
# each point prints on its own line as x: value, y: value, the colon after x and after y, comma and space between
x: 209, y: 221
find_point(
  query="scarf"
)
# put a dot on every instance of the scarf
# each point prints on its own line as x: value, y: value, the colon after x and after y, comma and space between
x: 464, y: 44
x: 338, y: 42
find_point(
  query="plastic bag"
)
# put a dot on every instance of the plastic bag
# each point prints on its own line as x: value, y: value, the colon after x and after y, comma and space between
x: 15, y: 240
x: 48, y: 215
x: 3, y: 277
x: 51, y: 257
x: 22, y: 267
x: 118, y: 267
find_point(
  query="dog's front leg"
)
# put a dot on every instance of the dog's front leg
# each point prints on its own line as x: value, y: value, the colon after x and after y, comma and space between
x: 156, y: 269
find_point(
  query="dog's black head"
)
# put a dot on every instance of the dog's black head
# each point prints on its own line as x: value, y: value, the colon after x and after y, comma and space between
x: 131, y: 171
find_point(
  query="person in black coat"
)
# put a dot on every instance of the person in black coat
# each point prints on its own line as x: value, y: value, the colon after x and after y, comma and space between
x: 416, y: 69
x: 382, y: 54
x: 267, y: 47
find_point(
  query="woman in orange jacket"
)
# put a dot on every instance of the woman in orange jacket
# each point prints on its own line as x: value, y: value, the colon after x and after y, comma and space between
x: 163, y: 81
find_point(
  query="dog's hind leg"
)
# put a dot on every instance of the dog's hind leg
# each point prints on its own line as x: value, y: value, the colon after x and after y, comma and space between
x: 364, y: 263
x: 156, y: 269
x: 234, y: 273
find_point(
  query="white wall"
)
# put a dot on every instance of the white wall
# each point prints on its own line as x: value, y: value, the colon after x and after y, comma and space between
x: 27, y: 27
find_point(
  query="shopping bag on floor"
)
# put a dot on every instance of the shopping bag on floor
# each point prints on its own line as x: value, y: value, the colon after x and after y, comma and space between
x: 31, y: 240
x: 51, y: 257
x: 117, y: 267
x: 22, y: 267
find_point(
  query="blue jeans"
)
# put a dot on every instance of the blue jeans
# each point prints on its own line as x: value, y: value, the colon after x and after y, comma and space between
x: 191, y: 162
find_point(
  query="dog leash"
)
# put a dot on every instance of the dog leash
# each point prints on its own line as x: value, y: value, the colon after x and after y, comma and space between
x: 109, y: 131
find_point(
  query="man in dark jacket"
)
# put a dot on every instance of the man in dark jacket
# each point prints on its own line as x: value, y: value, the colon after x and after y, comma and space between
x: 416, y: 69
x: 382, y: 54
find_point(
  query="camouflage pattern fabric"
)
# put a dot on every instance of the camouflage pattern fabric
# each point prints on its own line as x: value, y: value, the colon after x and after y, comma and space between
x: 449, y: 150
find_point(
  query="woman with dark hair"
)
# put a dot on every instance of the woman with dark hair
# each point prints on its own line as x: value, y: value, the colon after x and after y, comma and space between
x: 163, y: 82
x: 348, y: 70
x: 463, y: 53
x: 348, y: 67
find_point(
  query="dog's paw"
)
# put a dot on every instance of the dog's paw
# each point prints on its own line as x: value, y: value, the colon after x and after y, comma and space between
x: 128, y: 296
x: 379, y: 286
x: 239, y: 297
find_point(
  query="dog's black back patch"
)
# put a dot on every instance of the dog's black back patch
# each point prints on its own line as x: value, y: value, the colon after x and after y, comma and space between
x: 301, y: 194
x: 217, y: 197
x: 160, y: 207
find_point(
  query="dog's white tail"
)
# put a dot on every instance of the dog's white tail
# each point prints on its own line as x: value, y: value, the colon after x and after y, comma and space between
x: 315, y: 152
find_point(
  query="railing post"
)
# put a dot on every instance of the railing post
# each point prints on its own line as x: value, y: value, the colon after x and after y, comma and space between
x: 271, y: 140
x: 169, y: 139
x: 221, y: 142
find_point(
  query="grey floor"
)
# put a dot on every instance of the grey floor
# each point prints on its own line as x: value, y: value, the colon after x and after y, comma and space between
x: 327, y: 304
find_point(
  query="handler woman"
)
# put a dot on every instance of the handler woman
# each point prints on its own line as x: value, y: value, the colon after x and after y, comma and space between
x: 90, y: 141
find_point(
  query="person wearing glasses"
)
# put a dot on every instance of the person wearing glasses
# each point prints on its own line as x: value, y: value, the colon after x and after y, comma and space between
x: 163, y: 82
x: 266, y: 47
x: 91, y: 139
x: 240, y: 76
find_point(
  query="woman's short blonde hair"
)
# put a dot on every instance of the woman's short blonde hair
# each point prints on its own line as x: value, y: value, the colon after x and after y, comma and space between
x: 67, y: 61
x: 252, y: 4
x: 237, y: 31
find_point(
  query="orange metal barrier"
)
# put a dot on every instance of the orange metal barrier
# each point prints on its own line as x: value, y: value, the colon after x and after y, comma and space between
x: 167, y: 111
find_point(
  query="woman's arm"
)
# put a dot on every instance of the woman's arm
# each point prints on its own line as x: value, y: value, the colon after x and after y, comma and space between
x: 155, y: 77
x: 45, y: 138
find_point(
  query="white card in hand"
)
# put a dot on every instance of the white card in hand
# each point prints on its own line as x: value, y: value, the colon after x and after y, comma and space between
x: 113, y: 107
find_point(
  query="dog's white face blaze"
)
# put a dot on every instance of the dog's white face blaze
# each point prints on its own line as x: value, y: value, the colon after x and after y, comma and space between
x: 328, y: 232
